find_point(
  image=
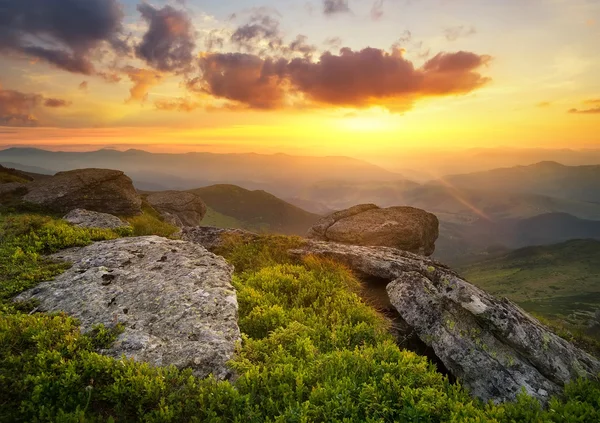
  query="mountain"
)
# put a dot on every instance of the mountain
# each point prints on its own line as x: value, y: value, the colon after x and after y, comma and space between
x: 11, y: 174
x: 256, y: 210
x: 281, y: 174
x: 463, y: 243
x: 580, y: 183
x: 560, y: 280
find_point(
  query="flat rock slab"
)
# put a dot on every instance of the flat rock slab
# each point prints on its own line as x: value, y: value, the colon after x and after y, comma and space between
x: 493, y: 346
x: 91, y: 219
x: 174, y: 298
x: 179, y: 208
x: 211, y: 238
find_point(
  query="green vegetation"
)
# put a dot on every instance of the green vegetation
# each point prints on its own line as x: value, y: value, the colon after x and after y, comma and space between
x: 559, y: 281
x: 11, y: 175
x: 218, y: 220
x: 312, y: 351
x: 256, y: 210
x: 150, y: 222
x: 25, y: 239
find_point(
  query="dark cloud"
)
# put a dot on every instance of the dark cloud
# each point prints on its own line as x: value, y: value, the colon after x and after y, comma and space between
x: 56, y: 103
x: 177, y: 104
x: 352, y: 79
x: 456, y: 32
x: 70, y: 29
x: 333, y: 7
x: 17, y: 108
x: 261, y: 28
x: 143, y: 80
x: 301, y: 45
x: 243, y: 78
x: 169, y: 43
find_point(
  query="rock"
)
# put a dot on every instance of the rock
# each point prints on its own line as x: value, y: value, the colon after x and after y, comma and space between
x: 179, y: 208
x: 490, y: 344
x: 91, y: 219
x: 174, y: 298
x: 406, y: 228
x: 212, y: 238
x: 101, y: 190
x: 11, y: 190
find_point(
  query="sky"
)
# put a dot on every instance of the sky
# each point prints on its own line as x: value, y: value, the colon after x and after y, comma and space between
x: 316, y: 77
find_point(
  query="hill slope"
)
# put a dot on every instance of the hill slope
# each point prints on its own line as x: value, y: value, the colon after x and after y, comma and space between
x: 257, y: 210
x: 560, y: 280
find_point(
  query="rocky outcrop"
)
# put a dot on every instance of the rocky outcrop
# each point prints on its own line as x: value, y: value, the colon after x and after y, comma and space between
x: 405, y: 228
x: 91, y: 219
x: 491, y: 345
x: 179, y: 208
x: 101, y: 190
x: 212, y: 238
x: 174, y: 298
x: 11, y: 190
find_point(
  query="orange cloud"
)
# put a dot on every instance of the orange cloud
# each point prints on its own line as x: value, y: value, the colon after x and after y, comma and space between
x: 17, y: 108
x: 143, y: 80
x: 177, y: 104
x: 589, y: 111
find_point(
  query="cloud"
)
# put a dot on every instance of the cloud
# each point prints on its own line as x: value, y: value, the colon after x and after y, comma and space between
x: 181, y: 104
x: 592, y: 111
x: 83, y: 86
x: 544, y: 104
x: 169, y: 43
x: 333, y: 42
x: 143, y: 80
x: 64, y: 33
x: 333, y: 7
x: 357, y: 79
x: 454, y: 33
x: 260, y: 32
x: 377, y: 10
x: 589, y: 111
x: 17, y: 108
x: 111, y: 77
x: 56, y: 103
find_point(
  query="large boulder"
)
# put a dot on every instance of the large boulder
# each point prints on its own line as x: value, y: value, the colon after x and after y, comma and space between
x: 179, y: 208
x: 491, y: 345
x: 174, y: 298
x: 101, y: 190
x: 11, y: 190
x: 406, y: 228
x: 91, y: 219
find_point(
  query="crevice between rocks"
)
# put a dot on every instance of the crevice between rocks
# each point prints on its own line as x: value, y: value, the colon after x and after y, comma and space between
x: 375, y: 293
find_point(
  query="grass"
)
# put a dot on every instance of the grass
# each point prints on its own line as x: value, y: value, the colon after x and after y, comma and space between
x: 150, y: 222
x: 312, y: 351
x: 556, y: 281
x: 218, y: 220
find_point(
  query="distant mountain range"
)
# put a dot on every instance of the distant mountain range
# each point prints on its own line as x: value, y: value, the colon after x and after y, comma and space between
x: 552, y: 179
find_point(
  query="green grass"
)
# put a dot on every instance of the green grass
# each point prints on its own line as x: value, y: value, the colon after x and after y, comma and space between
x: 218, y: 220
x: 312, y: 351
x: 557, y: 281
x: 150, y: 222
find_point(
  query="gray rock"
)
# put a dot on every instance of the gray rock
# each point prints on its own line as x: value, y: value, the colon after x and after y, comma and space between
x: 91, y: 219
x: 174, y: 298
x: 11, y: 190
x: 490, y: 344
x: 211, y: 238
x: 406, y: 228
x: 101, y: 190
x: 179, y: 208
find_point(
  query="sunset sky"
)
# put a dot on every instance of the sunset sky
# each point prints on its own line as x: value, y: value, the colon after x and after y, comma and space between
x: 318, y: 77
